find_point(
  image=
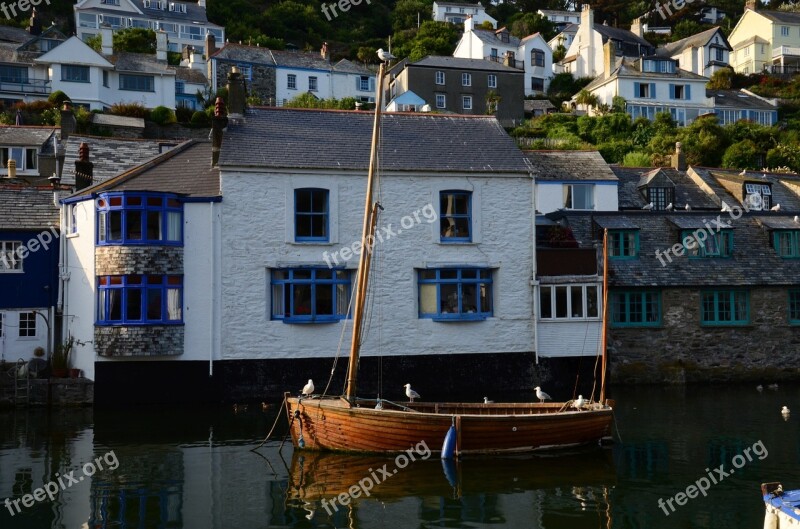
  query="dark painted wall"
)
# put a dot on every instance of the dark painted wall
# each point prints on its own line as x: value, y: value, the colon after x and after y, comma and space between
x: 37, y: 286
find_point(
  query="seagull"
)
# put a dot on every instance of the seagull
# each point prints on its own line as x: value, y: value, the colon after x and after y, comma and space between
x: 688, y: 207
x: 743, y: 173
x: 379, y: 405
x: 487, y: 401
x: 669, y: 207
x: 385, y: 56
x: 308, y: 389
x: 785, y: 411
x: 776, y: 207
x: 648, y: 207
x: 764, y: 176
x: 773, y: 387
x: 410, y: 393
x: 725, y: 207
x: 759, y: 388
x: 541, y: 395
x: 796, y: 218
x: 580, y: 402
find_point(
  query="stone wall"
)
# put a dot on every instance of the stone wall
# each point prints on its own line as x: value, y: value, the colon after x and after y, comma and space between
x: 124, y: 260
x: 262, y: 84
x: 61, y: 392
x: 682, y: 350
x: 143, y: 340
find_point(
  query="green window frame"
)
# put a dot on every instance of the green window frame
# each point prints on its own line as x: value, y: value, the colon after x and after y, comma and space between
x: 716, y: 244
x: 635, y: 308
x: 623, y: 244
x: 794, y: 306
x: 787, y: 243
x: 724, y: 307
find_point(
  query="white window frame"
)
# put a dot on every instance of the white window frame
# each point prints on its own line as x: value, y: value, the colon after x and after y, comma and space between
x: 569, y: 191
x: 440, y: 77
x: 466, y: 79
x: 291, y: 81
x: 570, y: 313
x: 20, y: 328
x: 313, y: 81
x: 466, y: 102
x: 491, y: 81
x: 443, y: 101
x: 10, y: 250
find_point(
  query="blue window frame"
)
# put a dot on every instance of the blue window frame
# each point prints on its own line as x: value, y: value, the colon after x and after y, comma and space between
x: 140, y: 300
x: 139, y: 218
x: 717, y: 244
x: 74, y: 73
x: 635, y: 308
x: 311, y: 214
x: 623, y: 244
x: 787, y: 243
x: 794, y: 306
x: 310, y: 295
x: 455, y: 213
x: 724, y: 307
x: 460, y: 294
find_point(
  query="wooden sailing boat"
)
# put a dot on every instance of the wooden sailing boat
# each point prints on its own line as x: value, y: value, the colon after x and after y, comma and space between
x: 350, y: 424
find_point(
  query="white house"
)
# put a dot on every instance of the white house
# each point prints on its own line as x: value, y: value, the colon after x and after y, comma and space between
x: 531, y: 54
x: 458, y: 12
x: 564, y: 38
x: 185, y: 23
x: 651, y: 85
x: 765, y: 40
x: 584, y: 57
x: 703, y: 53
x: 561, y: 19
x: 98, y: 81
x: 452, y: 281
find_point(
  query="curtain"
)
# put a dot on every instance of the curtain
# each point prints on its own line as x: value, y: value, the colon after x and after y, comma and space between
x: 173, y: 226
x: 174, y: 304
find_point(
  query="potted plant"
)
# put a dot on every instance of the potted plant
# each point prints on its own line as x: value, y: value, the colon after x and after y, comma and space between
x: 60, y: 359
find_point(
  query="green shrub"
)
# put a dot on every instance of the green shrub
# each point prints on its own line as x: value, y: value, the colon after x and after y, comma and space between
x: 200, y: 119
x: 131, y: 110
x: 614, y: 151
x: 162, y: 115
x: 741, y: 155
x: 637, y: 159
x: 57, y: 98
x: 183, y: 114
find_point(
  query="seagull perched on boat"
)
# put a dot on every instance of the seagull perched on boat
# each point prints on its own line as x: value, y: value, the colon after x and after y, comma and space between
x: 649, y: 206
x: 669, y: 207
x: 785, y: 411
x: 580, y: 402
x: 308, y: 389
x: 385, y: 56
x: 487, y: 401
x: 776, y: 207
x: 541, y: 395
x: 410, y: 393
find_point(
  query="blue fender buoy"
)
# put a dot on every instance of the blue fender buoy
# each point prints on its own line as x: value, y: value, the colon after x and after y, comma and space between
x: 449, y: 445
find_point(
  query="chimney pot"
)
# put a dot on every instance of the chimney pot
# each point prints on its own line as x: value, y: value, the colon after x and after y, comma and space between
x: 83, y: 152
x: 679, y: 159
x: 84, y: 168
x: 236, y: 93
x: 35, y: 25
x: 12, y: 168
x: 750, y: 4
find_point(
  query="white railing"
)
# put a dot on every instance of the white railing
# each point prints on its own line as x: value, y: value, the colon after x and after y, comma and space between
x: 786, y: 50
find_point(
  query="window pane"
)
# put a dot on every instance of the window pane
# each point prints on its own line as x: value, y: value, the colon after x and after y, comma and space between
x: 342, y: 299
x: 324, y: 302
x: 486, y: 299
x: 154, y: 304
x: 427, y: 299
x: 303, y: 273
x: 448, y: 273
x: 591, y: 300
x: 115, y: 225
x: 469, y: 299
x: 173, y: 226
x: 449, y: 299
x: 302, y: 300
x: 561, y: 302
x: 277, y: 299
x: 134, y: 225
x: 545, y: 302
x: 114, y: 304
x: 174, y: 309
x: 154, y: 226
x: 134, y: 308
x: 576, y: 300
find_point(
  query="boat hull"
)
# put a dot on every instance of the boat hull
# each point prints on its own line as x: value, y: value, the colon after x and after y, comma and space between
x: 333, y: 424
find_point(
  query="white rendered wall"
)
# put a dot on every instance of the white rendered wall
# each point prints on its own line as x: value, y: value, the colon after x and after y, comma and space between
x: 550, y: 195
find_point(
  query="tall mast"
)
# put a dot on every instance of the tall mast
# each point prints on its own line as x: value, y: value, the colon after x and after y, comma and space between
x: 603, y: 338
x: 367, y: 239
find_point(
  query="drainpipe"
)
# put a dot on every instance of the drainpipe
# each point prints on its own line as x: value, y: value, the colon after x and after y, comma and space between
x: 211, y: 334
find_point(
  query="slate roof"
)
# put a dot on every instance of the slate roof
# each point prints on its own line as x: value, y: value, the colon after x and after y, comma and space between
x: 242, y: 53
x: 185, y: 170
x: 630, y: 69
x: 442, y: 61
x: 738, y: 99
x: 695, y: 41
x: 13, y: 34
x: 110, y: 120
x: 139, y: 62
x: 11, y: 135
x: 490, y: 37
x: 569, y: 165
x: 325, y: 139
x: 559, y: 13
x: 190, y: 75
x: 686, y: 190
x: 111, y: 156
x: 537, y: 104
x: 754, y: 261
x: 781, y: 17
x: 732, y: 183
x: 622, y: 35
x: 346, y: 66
x: 300, y: 59
x: 27, y: 208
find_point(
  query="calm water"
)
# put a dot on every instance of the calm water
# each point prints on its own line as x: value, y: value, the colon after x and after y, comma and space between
x: 191, y: 468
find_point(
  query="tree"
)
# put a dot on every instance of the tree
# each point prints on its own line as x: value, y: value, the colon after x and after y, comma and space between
x: 721, y: 79
x: 587, y: 99
x: 432, y: 38
x: 687, y: 28
x: 741, y: 155
x: 134, y: 40
x: 531, y: 23
x: 560, y: 52
x: 406, y: 13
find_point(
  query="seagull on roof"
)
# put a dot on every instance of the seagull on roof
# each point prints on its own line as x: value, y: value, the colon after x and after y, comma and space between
x: 410, y: 393
x: 669, y: 207
x: 796, y: 218
x: 725, y: 207
x: 687, y: 207
x: 764, y: 176
x: 308, y: 389
x: 541, y: 395
x: 648, y: 207
x: 776, y: 207
x: 743, y: 173
x: 385, y: 56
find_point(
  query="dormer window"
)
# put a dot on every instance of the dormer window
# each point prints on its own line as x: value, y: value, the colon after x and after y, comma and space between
x: 702, y: 243
x: 661, y: 197
x: 658, y: 66
x: 623, y: 244
x: 757, y: 196
x: 787, y: 243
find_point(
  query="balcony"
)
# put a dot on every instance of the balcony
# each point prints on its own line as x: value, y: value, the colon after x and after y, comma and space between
x: 782, y: 51
x: 25, y: 86
x: 519, y: 65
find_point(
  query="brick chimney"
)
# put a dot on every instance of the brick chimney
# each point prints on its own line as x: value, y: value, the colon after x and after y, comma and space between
x: 106, y: 40
x: 35, y: 25
x: 218, y: 124
x: 750, y: 4
x: 68, y: 121
x: 201, y: 3
x: 679, y: 159
x: 636, y: 27
x: 236, y: 95
x: 584, y: 36
x: 161, y: 45
x: 211, y: 44
x: 609, y: 57
x: 84, y: 169
x: 326, y: 55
